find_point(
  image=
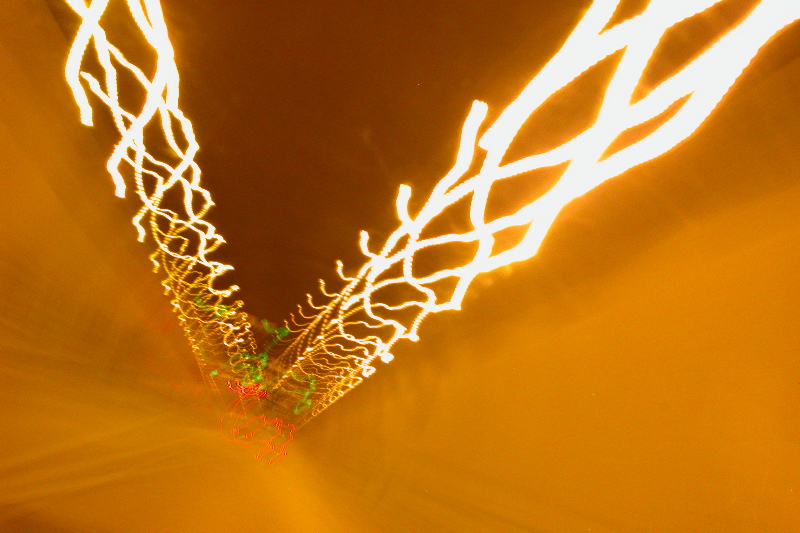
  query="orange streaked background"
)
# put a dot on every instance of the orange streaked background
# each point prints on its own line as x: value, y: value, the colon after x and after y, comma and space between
x: 641, y: 374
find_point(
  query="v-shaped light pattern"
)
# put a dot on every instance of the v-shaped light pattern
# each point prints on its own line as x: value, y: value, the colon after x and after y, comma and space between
x: 418, y: 270
x: 156, y: 152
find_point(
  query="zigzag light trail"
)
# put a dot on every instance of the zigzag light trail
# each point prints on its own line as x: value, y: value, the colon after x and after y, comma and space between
x: 335, y: 344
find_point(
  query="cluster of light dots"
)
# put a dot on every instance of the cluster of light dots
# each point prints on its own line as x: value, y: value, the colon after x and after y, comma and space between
x: 336, y: 343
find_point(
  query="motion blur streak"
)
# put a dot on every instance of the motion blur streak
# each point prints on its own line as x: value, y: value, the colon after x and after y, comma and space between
x: 394, y: 290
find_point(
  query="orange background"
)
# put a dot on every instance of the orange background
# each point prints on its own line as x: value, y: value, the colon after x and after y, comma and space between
x: 642, y: 373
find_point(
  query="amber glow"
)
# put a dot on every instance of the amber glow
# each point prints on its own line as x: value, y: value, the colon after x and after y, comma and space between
x: 388, y: 297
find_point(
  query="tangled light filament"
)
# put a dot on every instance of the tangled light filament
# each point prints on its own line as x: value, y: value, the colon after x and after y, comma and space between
x: 391, y: 294
x: 365, y: 320
x: 156, y: 150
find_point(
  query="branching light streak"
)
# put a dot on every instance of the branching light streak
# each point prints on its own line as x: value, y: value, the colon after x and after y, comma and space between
x: 173, y: 202
x: 391, y: 294
x: 340, y: 343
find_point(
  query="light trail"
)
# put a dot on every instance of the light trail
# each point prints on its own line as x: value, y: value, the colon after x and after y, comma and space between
x: 341, y: 339
x: 173, y: 203
x: 388, y: 298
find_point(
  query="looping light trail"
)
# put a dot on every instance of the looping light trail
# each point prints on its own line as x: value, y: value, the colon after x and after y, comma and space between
x: 389, y: 296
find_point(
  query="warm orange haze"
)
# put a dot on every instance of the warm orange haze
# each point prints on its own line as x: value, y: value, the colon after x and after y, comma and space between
x: 648, y: 353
